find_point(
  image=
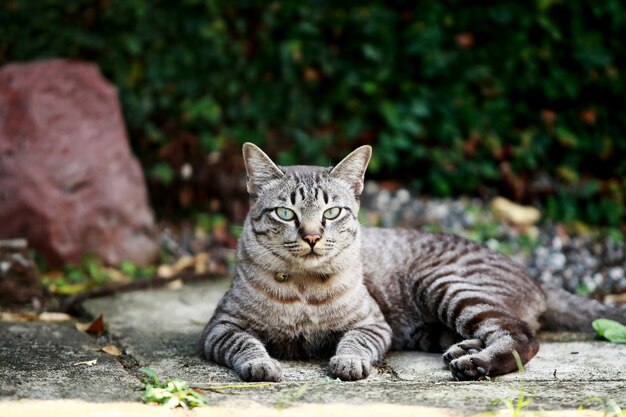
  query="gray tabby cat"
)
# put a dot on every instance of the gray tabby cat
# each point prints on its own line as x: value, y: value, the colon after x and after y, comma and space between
x: 312, y: 283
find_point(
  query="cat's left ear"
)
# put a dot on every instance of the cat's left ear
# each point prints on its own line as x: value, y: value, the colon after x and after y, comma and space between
x: 352, y: 168
x: 259, y: 167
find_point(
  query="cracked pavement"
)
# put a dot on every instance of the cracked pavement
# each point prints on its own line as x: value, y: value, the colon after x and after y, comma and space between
x: 159, y: 329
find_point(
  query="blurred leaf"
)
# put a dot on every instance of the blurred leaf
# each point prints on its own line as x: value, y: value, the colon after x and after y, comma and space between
x: 129, y: 268
x: 611, y: 330
x: 567, y: 174
x: 566, y: 137
x: 205, y: 109
x: 371, y: 52
x: 163, y: 172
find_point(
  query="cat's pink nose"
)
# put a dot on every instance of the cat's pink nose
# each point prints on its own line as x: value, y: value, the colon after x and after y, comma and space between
x: 312, y: 238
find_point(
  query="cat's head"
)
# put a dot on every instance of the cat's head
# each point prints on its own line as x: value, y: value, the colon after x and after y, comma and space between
x: 304, y: 218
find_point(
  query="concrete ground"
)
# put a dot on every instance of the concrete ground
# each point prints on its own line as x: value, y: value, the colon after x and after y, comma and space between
x: 41, y: 363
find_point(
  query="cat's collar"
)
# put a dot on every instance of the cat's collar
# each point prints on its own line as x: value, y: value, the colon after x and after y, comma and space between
x: 283, y: 276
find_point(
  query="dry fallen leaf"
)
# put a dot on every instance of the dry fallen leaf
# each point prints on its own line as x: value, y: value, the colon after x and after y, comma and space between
x: 177, y: 284
x: 201, y: 262
x: 616, y: 298
x: 517, y: 214
x: 165, y: 271
x: 116, y: 275
x: 32, y: 316
x: 81, y: 327
x: 95, y: 328
x: 111, y: 350
x: 18, y: 317
x: 52, y: 317
x: 87, y: 363
x: 183, y: 263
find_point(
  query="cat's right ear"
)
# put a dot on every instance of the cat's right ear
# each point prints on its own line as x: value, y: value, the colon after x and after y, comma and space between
x: 259, y: 168
x: 352, y: 168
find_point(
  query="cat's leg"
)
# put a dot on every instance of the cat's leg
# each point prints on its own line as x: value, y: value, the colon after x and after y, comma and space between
x: 430, y: 337
x: 493, y: 334
x: 488, y: 301
x: 358, y: 349
x: 227, y: 343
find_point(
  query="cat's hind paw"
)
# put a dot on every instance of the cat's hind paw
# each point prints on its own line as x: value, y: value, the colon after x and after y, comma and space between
x: 265, y: 369
x: 469, y: 368
x: 349, y: 367
x: 466, y: 347
x: 464, y: 360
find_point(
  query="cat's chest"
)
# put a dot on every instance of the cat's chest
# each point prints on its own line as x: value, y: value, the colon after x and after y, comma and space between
x: 303, y: 307
x: 299, y: 330
x: 306, y: 312
x: 301, y: 318
x: 302, y: 331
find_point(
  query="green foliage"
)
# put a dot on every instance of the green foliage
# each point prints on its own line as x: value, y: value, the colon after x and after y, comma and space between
x: 611, y: 330
x: 91, y: 273
x: 77, y: 278
x: 162, y: 172
x: 172, y: 394
x: 133, y: 271
x: 455, y: 97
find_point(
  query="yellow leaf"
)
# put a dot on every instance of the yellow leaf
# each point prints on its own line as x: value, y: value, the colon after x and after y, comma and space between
x: 18, y: 317
x: 53, y: 317
x: 111, y: 350
x: 515, y: 213
x: 82, y: 327
x: 47, y: 317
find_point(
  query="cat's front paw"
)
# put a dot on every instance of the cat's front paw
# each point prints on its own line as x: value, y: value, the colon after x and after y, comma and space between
x: 265, y: 369
x: 349, y: 367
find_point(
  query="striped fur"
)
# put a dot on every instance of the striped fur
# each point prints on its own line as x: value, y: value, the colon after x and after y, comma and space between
x: 316, y: 286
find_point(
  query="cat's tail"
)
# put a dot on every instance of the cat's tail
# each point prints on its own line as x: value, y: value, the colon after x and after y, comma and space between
x: 567, y: 311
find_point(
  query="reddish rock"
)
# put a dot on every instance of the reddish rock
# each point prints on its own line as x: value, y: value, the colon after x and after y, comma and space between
x: 69, y: 183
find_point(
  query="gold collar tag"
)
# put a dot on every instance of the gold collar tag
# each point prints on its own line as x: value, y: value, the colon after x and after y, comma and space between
x: 281, y: 276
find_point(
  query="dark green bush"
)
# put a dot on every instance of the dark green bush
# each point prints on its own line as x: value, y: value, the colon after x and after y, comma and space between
x: 524, y: 98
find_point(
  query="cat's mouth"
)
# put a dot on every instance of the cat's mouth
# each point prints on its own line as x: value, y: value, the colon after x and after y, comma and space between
x: 312, y: 255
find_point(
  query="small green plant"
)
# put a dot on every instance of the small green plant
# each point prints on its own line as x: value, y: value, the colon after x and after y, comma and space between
x: 611, y: 330
x: 314, y: 392
x: 291, y: 397
x: 172, y: 394
x: 611, y: 408
x: 515, y: 405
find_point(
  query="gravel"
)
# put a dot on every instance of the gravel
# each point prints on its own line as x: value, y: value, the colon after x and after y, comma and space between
x: 588, y: 263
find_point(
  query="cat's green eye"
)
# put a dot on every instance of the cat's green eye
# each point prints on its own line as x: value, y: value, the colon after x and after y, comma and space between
x: 285, y: 213
x: 332, y: 213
